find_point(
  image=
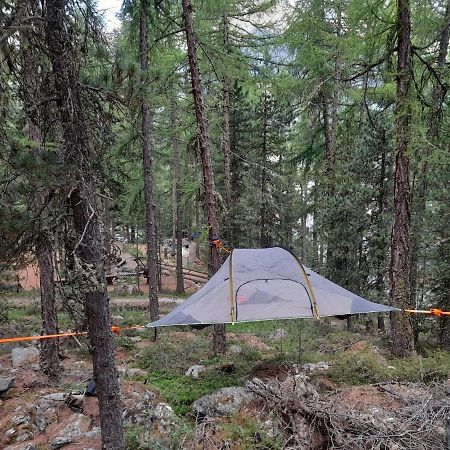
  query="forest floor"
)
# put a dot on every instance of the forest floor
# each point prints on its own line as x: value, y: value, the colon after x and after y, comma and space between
x: 353, y: 369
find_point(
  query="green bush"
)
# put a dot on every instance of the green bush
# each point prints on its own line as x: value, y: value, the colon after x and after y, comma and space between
x: 434, y: 365
x: 358, y: 368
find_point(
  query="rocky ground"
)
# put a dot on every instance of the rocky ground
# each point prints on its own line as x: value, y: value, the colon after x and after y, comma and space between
x: 36, y: 415
x: 282, y: 385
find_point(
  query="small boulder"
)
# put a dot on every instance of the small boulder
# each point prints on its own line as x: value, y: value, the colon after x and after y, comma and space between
x: 140, y: 411
x: 194, y: 371
x: 116, y: 320
x: 223, y: 402
x: 60, y: 441
x: 278, y: 334
x: 76, y: 426
x: 163, y: 414
x: 55, y: 397
x: 314, y: 367
x: 24, y: 355
x: 5, y: 385
x: 236, y: 349
x: 23, y: 447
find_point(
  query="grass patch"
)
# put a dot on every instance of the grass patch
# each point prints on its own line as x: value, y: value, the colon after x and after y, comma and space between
x: 180, y: 390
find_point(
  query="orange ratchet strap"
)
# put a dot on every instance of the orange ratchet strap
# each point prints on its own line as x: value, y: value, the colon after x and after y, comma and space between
x: 428, y: 312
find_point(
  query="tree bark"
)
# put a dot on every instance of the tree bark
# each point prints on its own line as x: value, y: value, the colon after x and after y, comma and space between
x: 264, y: 236
x: 208, y: 174
x: 147, y: 158
x: 81, y: 195
x: 399, y: 269
x: 380, y: 260
x: 177, y: 200
x: 31, y: 91
x: 226, y: 141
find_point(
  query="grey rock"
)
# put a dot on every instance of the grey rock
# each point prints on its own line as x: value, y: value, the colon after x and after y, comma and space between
x: 116, y: 320
x: 94, y: 433
x: 127, y: 372
x: 278, y: 334
x: 10, y: 432
x: 223, y: 402
x: 142, y: 410
x: 194, y: 371
x: 136, y: 372
x: 60, y: 441
x: 70, y: 432
x: 315, y: 367
x: 22, y: 447
x: 5, y: 385
x: 135, y: 339
x: 163, y: 414
x: 31, y: 416
x: 235, y: 349
x: 23, y: 437
x: 55, y: 397
x: 24, y: 355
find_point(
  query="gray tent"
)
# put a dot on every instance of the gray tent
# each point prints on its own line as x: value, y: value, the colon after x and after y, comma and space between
x: 264, y: 284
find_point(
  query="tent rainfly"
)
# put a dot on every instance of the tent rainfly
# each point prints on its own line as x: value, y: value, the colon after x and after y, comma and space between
x: 266, y: 284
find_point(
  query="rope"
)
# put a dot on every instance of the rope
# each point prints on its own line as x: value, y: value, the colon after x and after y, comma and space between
x: 115, y: 329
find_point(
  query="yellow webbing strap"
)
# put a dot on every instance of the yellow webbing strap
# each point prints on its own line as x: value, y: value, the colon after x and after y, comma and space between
x: 308, y: 288
x: 232, y: 308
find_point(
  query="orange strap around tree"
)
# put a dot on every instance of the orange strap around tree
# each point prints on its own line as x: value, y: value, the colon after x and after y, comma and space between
x: 219, y: 244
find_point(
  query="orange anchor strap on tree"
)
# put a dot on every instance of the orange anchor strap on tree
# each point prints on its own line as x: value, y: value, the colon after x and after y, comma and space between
x: 115, y: 329
x: 219, y: 244
x: 429, y: 312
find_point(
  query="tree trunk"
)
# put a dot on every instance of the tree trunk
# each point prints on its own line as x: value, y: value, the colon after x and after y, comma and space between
x: 208, y: 174
x: 49, y: 348
x: 31, y: 90
x: 264, y: 237
x: 399, y: 269
x: 380, y: 260
x: 148, y: 174
x: 81, y: 195
x: 226, y: 141
x: 177, y: 200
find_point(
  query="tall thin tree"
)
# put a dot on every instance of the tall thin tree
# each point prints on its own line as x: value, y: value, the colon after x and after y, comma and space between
x: 31, y: 80
x: 399, y: 268
x: 78, y: 157
x: 147, y: 158
x: 178, y: 232
x: 208, y: 174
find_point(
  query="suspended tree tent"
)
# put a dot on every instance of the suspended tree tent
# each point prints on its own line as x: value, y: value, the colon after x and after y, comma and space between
x: 265, y: 284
